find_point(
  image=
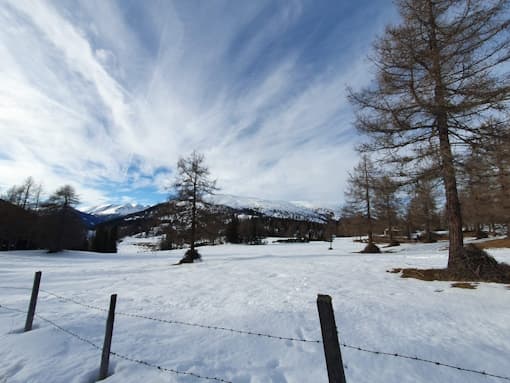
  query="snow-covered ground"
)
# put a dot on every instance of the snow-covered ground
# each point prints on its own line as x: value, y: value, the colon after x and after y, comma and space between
x: 269, y: 289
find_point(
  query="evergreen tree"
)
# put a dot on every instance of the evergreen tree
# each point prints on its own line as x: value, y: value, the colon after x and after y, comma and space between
x: 62, y: 226
x: 232, y: 232
x: 105, y: 239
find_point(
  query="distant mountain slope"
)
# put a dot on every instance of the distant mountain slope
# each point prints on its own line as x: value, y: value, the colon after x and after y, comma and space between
x: 116, y: 210
x: 142, y: 218
x: 92, y: 220
x: 103, y: 213
x: 277, y: 209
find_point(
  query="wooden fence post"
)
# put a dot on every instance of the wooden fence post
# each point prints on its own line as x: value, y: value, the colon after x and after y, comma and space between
x: 33, y: 301
x: 330, y: 340
x: 105, y: 357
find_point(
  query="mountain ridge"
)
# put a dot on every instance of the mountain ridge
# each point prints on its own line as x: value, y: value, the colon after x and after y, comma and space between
x: 116, y: 209
x: 241, y: 205
x: 273, y: 208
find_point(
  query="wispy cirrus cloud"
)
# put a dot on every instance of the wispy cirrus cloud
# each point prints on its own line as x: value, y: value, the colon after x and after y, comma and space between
x: 107, y: 95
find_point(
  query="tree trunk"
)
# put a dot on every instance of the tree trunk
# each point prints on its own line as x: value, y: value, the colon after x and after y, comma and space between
x: 367, y: 200
x: 193, y: 219
x: 408, y: 230
x: 455, y: 236
x: 428, y: 231
x: 390, y: 227
x: 456, y: 240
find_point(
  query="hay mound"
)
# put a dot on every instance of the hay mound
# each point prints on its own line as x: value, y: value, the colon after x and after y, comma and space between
x: 371, y: 248
x: 474, y: 265
x: 475, y: 262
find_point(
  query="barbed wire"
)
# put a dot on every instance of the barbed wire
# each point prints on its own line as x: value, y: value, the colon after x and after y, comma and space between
x: 171, y: 321
x: 116, y: 354
x: 397, y: 355
x: 246, y: 332
x: 15, y: 288
x: 145, y: 363
x: 74, y: 301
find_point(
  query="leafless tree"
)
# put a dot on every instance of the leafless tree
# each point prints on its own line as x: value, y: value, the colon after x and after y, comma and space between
x: 422, y: 208
x: 387, y: 203
x: 359, y: 196
x: 14, y: 195
x: 439, y: 75
x: 192, y: 183
x: 27, y: 187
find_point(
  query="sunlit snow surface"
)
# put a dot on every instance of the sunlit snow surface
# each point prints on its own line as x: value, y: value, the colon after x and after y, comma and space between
x: 268, y: 289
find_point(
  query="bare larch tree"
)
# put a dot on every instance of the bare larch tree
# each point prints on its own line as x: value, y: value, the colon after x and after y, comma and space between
x: 387, y: 203
x: 192, y: 183
x: 359, y: 197
x: 440, y: 75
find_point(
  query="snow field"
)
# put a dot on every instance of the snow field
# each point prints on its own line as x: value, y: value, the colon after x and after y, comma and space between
x: 268, y: 289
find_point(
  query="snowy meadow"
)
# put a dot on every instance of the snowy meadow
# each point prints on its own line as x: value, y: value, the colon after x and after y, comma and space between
x: 269, y: 289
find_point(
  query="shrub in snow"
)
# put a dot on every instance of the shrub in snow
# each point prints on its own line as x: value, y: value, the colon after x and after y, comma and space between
x: 190, y: 256
x: 371, y: 248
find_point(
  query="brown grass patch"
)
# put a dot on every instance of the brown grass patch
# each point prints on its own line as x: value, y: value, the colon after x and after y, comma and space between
x: 495, y: 244
x: 465, y: 285
x: 473, y: 265
x: 371, y: 248
x: 425, y: 274
x: 147, y: 246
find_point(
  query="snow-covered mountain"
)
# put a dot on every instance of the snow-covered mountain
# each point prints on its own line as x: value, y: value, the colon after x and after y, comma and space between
x: 247, y: 206
x: 278, y: 209
x: 116, y: 210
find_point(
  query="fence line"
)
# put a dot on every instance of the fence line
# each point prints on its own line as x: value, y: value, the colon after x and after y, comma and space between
x: 397, y: 355
x: 116, y: 354
x: 15, y: 288
x: 171, y: 321
x: 345, y: 345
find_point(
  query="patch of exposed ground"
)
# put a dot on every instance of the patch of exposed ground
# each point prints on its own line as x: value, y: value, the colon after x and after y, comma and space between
x: 465, y: 285
x: 495, y: 244
x: 474, y: 265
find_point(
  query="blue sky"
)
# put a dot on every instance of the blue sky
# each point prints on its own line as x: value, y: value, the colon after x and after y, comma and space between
x: 107, y: 95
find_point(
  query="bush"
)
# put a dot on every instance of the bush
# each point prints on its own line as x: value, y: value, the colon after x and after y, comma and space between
x: 371, y: 248
x: 190, y: 256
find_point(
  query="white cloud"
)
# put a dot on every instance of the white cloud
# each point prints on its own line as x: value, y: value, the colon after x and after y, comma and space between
x: 86, y: 98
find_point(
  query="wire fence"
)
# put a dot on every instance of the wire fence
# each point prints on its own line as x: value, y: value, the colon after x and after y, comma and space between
x: 169, y: 321
x: 397, y: 355
x: 116, y: 354
x: 231, y: 330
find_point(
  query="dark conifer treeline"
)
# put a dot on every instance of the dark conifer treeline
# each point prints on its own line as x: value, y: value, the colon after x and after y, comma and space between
x: 105, y: 239
x: 27, y: 223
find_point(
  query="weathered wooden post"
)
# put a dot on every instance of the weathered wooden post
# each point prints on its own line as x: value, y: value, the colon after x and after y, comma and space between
x: 330, y: 340
x: 105, y: 357
x: 33, y: 301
